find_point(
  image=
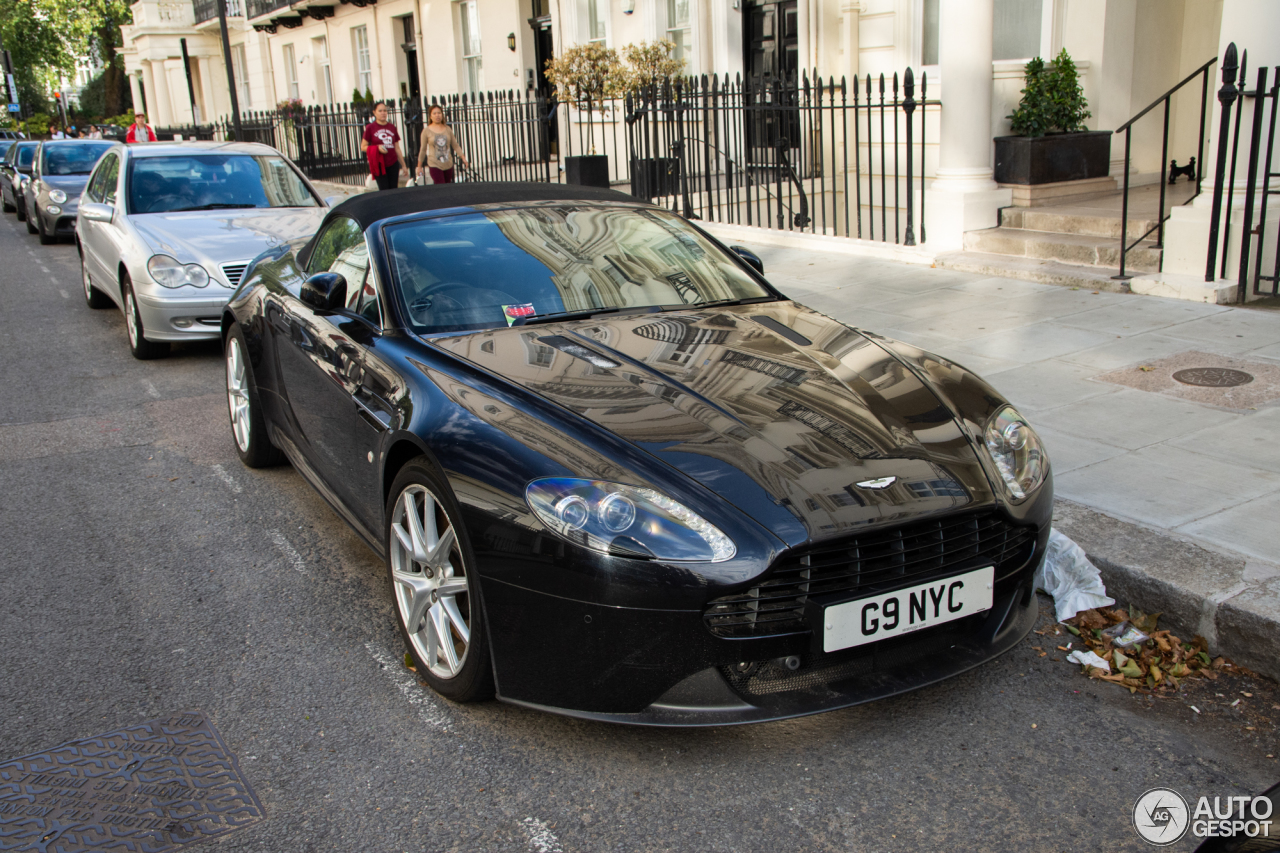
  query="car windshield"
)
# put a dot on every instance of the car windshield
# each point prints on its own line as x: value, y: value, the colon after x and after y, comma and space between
x: 214, y: 182
x: 488, y: 270
x: 75, y: 159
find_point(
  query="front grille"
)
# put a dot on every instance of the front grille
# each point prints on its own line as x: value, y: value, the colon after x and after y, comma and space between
x: 233, y: 272
x: 877, y: 561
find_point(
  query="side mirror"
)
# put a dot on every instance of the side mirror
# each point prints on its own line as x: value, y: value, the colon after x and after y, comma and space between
x: 332, y: 200
x: 324, y: 291
x: 96, y: 211
x: 752, y: 259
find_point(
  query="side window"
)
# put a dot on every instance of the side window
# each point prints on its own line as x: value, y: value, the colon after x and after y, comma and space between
x: 93, y: 192
x: 363, y: 299
x: 340, y: 235
x: 111, y: 179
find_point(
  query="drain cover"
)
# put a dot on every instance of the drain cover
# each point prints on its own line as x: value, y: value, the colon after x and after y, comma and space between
x: 149, y: 787
x: 1213, y: 377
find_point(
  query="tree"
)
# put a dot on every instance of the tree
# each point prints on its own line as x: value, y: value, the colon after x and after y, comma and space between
x: 650, y: 64
x: 587, y: 72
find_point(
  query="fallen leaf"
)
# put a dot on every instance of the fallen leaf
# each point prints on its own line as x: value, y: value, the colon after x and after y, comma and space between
x: 1246, y: 694
x: 1146, y: 369
x: 171, y: 479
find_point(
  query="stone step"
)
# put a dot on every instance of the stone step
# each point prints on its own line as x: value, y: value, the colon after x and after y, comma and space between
x: 1075, y: 249
x: 1033, y: 269
x: 1032, y: 219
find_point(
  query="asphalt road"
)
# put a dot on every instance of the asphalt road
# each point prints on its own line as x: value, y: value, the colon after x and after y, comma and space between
x: 144, y: 571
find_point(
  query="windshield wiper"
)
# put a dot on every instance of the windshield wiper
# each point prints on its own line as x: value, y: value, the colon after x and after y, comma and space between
x: 561, y: 316
x: 746, y: 300
x: 220, y: 206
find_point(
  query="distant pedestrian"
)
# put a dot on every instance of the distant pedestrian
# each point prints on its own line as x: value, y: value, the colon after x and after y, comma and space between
x: 380, y: 143
x: 94, y: 132
x: 55, y: 132
x: 140, y: 131
x: 438, y: 147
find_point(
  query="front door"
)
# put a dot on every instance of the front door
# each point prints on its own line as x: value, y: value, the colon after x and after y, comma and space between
x: 543, y: 51
x: 771, y: 51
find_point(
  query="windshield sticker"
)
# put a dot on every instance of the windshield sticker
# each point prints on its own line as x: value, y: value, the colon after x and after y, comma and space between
x: 515, y: 312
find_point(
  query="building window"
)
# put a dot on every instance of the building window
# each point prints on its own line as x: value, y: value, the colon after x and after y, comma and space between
x: 471, y: 45
x: 240, y: 67
x: 597, y: 29
x: 678, y: 30
x: 291, y: 72
x: 1015, y: 32
x: 364, y: 67
x: 324, y: 69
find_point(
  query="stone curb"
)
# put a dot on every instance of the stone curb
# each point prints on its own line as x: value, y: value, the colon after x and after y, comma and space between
x: 1231, y: 601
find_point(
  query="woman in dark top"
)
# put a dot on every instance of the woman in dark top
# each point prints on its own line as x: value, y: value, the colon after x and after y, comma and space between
x: 438, y: 147
x: 381, y: 145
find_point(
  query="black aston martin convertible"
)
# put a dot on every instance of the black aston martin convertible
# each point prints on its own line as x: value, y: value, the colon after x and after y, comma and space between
x: 615, y: 474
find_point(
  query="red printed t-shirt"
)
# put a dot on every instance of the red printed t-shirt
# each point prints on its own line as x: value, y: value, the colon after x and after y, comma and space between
x: 383, y: 134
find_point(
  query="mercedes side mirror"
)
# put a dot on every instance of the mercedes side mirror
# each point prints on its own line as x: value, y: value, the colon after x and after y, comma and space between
x: 752, y: 259
x: 96, y: 211
x: 324, y: 291
x: 332, y: 200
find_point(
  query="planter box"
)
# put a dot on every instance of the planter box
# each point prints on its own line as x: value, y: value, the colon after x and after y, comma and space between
x: 1054, y: 158
x: 654, y: 176
x: 591, y: 170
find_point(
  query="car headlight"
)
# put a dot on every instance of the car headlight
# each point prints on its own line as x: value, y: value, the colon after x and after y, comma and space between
x: 626, y: 521
x: 53, y: 210
x: 1016, y: 451
x: 168, y: 272
x: 57, y: 197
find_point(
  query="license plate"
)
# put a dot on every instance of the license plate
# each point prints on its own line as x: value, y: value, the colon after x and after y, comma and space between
x: 879, y: 617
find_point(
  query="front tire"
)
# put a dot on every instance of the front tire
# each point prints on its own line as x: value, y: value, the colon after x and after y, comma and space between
x: 45, y: 237
x: 435, y: 585
x: 21, y: 209
x: 93, y: 297
x: 142, y: 349
x: 31, y: 225
x: 248, y: 426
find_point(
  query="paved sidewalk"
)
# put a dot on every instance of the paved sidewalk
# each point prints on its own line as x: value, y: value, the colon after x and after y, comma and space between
x: 1174, y: 490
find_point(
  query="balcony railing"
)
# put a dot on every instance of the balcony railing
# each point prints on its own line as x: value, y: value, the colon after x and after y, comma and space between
x: 207, y: 10
x: 258, y: 8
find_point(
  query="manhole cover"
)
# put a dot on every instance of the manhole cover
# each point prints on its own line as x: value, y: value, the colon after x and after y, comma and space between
x: 150, y: 787
x: 1213, y: 377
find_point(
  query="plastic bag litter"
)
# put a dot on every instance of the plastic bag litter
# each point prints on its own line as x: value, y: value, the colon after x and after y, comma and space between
x: 1068, y: 576
x: 1126, y: 635
x: 1087, y: 658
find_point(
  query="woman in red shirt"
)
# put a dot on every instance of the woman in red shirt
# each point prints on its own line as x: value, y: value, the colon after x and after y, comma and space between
x: 380, y: 143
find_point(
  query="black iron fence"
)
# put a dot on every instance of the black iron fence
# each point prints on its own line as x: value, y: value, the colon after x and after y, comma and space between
x: 823, y: 156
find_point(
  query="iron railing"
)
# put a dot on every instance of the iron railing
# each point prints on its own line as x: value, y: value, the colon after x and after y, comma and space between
x: 1127, y: 129
x: 258, y: 8
x: 207, y: 10
x: 822, y: 156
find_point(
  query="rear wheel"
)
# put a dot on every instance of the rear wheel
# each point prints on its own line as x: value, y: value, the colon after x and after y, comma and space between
x: 8, y: 207
x: 435, y: 585
x: 141, y: 348
x: 93, y: 297
x: 248, y: 426
x: 21, y: 207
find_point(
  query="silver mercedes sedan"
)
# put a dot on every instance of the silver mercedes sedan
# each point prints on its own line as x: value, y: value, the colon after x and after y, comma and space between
x: 165, y: 231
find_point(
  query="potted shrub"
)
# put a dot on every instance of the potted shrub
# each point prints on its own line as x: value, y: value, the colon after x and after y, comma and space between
x: 650, y: 68
x: 1050, y: 142
x: 587, y: 74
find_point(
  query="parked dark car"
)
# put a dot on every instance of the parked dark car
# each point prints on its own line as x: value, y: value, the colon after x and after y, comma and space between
x: 59, y: 173
x: 615, y: 474
x: 13, y: 171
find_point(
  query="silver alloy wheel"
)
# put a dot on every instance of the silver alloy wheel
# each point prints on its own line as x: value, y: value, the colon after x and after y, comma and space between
x: 84, y: 275
x: 238, y: 394
x: 425, y: 558
x: 131, y: 319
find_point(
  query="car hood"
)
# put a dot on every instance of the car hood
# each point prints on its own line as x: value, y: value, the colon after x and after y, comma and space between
x: 792, y: 417
x: 215, y: 237
x: 72, y: 185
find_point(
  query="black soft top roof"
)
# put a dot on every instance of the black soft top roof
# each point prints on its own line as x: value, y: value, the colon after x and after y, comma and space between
x: 368, y: 208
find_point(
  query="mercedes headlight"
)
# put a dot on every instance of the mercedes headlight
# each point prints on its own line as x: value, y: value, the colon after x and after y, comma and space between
x: 168, y: 272
x: 57, y: 197
x: 626, y: 521
x: 1016, y: 451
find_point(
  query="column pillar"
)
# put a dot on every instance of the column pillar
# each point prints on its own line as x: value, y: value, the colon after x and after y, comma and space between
x: 1253, y: 25
x: 135, y: 87
x: 850, y: 15
x: 964, y: 197
x: 149, y: 80
x: 164, y: 102
x: 1115, y: 81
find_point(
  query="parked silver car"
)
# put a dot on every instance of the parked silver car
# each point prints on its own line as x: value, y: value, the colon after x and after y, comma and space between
x: 59, y: 172
x: 167, y: 230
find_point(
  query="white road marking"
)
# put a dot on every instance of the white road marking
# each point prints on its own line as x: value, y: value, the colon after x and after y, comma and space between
x: 227, y: 478
x: 541, y: 838
x: 289, y: 551
x: 151, y: 389
x: 394, y: 670
x: 65, y: 295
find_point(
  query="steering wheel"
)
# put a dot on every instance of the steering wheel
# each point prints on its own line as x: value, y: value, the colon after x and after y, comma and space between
x: 422, y: 301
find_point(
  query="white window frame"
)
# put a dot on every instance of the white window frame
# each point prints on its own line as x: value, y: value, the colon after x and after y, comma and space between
x: 290, y: 72
x: 602, y: 9
x: 1051, y: 33
x: 324, y: 69
x: 240, y: 67
x: 469, y: 34
x: 363, y: 58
